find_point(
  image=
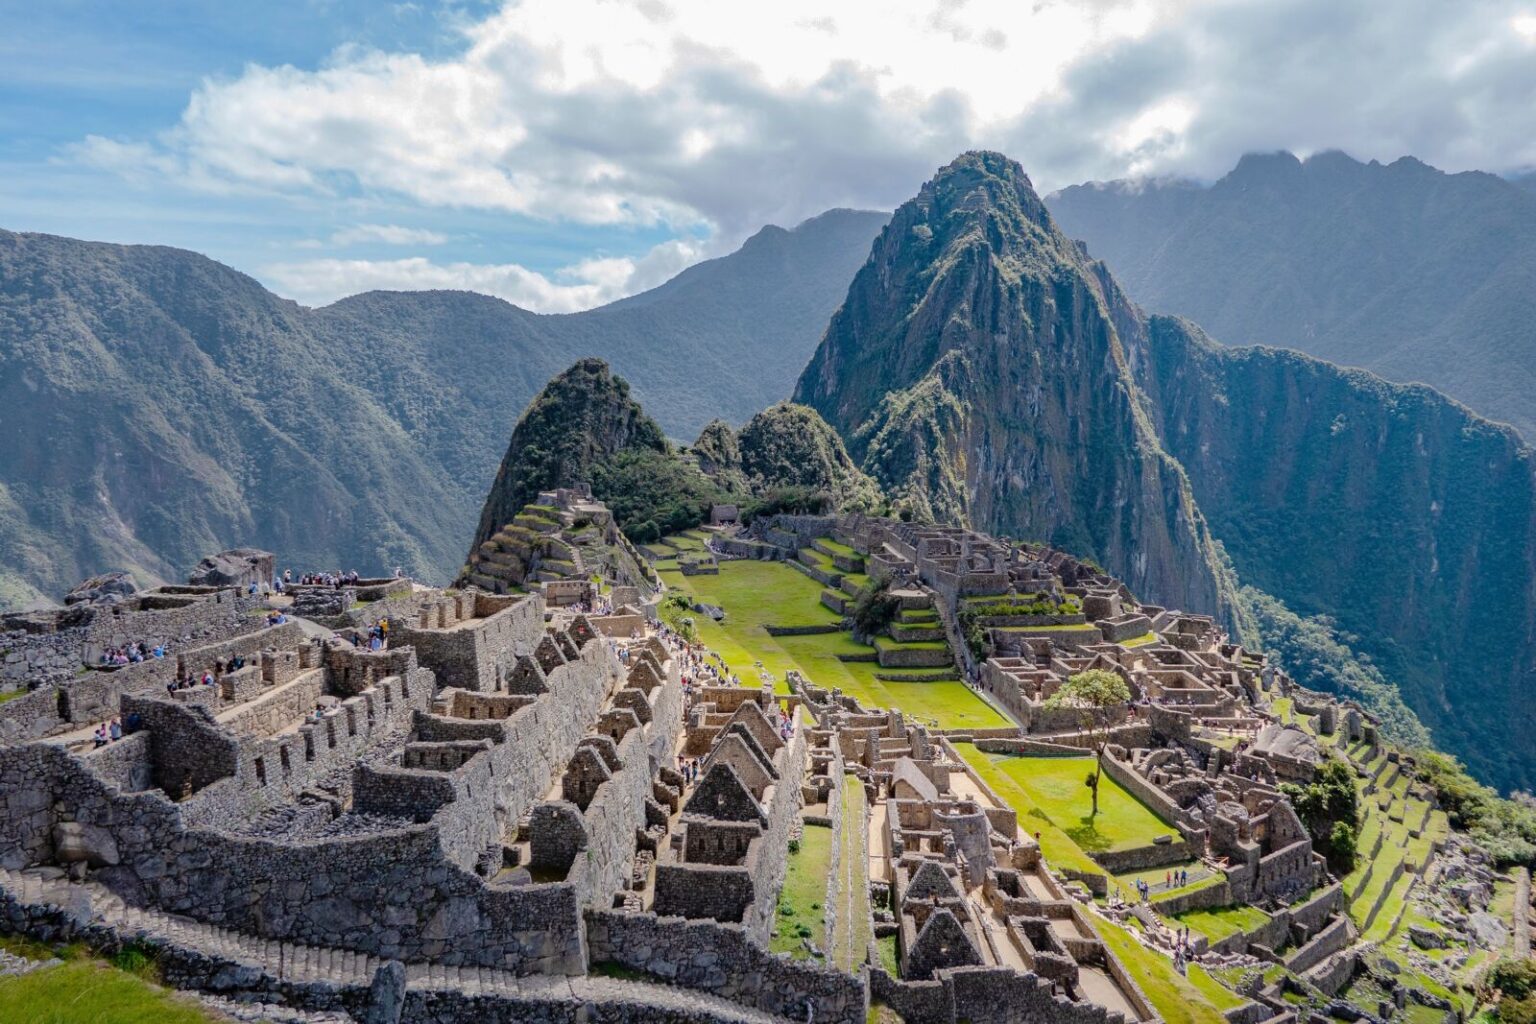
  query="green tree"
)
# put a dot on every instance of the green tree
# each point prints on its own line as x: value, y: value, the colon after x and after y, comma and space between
x: 1097, y: 696
x: 1329, y: 807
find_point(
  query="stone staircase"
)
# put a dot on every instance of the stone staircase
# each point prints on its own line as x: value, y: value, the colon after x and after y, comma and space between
x: 323, y: 977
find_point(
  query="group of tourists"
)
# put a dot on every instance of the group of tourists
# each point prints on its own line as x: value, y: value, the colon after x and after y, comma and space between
x: 337, y: 579
x: 189, y: 681
x: 1176, y: 879
x: 132, y: 654
x: 375, y: 638
x: 110, y: 732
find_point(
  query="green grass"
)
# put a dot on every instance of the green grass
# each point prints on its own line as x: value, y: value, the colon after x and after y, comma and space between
x: 887, y: 950
x: 13, y: 694
x: 1201, y: 877
x: 82, y: 990
x: 838, y: 548
x: 1214, y: 991
x: 755, y: 594
x: 885, y: 643
x: 802, y: 913
x: 1140, y: 641
x: 1056, y: 793
x: 1175, y: 999
x: 1222, y: 922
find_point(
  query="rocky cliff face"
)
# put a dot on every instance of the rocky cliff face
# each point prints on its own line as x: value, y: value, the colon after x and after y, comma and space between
x: 1399, y: 514
x: 978, y: 368
x: 788, y: 445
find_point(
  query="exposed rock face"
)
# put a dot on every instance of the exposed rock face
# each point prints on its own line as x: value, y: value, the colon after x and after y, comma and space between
x: 1396, y: 512
x: 108, y: 588
x: 979, y: 370
x: 237, y: 567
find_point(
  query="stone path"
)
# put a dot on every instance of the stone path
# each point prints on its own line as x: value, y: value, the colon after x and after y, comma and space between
x: 296, y: 964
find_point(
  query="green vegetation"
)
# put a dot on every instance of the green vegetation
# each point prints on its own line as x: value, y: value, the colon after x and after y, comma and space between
x: 802, y: 914
x: 755, y: 594
x: 1094, y: 695
x: 13, y: 694
x: 875, y: 609
x: 82, y: 989
x: 1505, y: 828
x: 1515, y: 980
x: 1045, y: 793
x: 1318, y: 656
x: 1222, y: 922
x: 1329, y: 807
x: 1177, y: 1000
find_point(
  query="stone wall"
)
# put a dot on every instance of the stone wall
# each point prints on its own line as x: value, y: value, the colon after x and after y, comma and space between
x: 390, y: 893
x: 721, y: 959
x: 474, y: 655
x: 1336, y: 935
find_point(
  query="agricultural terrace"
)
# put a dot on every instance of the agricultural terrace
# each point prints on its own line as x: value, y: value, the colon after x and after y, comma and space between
x: 757, y: 594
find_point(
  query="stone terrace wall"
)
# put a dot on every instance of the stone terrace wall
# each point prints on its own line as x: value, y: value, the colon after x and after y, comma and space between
x: 392, y: 893
x: 721, y: 959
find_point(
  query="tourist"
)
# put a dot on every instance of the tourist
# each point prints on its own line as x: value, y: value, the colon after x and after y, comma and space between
x: 100, y: 738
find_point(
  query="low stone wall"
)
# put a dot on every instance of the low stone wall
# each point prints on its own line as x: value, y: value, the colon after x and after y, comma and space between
x: 1143, y: 790
x: 1212, y: 896
x: 1336, y: 972
x: 721, y: 959
x: 1333, y: 938
x: 814, y: 630
x: 1141, y: 858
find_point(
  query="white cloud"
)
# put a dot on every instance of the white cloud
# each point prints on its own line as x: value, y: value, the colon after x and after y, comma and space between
x: 694, y: 113
x: 580, y: 286
x: 378, y: 234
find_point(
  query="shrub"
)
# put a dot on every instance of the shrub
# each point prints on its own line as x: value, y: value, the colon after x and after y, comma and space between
x: 875, y: 609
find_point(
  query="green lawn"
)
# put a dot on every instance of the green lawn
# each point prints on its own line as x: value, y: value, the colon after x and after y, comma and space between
x: 1140, y: 641
x: 1055, y: 789
x: 1057, y: 847
x: 1221, y: 922
x: 84, y: 990
x: 802, y: 913
x: 755, y: 594
x: 1175, y: 999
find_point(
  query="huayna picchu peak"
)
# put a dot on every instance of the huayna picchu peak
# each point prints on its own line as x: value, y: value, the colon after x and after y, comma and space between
x: 979, y: 371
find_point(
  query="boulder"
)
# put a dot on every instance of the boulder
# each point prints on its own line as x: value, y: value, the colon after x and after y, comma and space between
x: 237, y: 567
x: 1425, y: 938
x: 74, y: 843
x: 108, y: 588
x: 1486, y: 930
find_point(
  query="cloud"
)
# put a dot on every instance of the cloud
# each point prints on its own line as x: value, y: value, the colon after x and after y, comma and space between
x: 716, y: 118
x: 583, y: 285
x: 377, y: 234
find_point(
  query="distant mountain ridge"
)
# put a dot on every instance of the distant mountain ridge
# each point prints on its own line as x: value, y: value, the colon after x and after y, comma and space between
x: 162, y: 405
x: 1401, y: 269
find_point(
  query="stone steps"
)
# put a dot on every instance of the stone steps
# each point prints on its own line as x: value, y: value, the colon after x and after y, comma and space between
x: 297, y: 964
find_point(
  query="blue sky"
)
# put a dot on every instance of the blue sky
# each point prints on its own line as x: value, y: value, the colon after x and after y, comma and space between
x: 71, y: 69
x: 564, y: 153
